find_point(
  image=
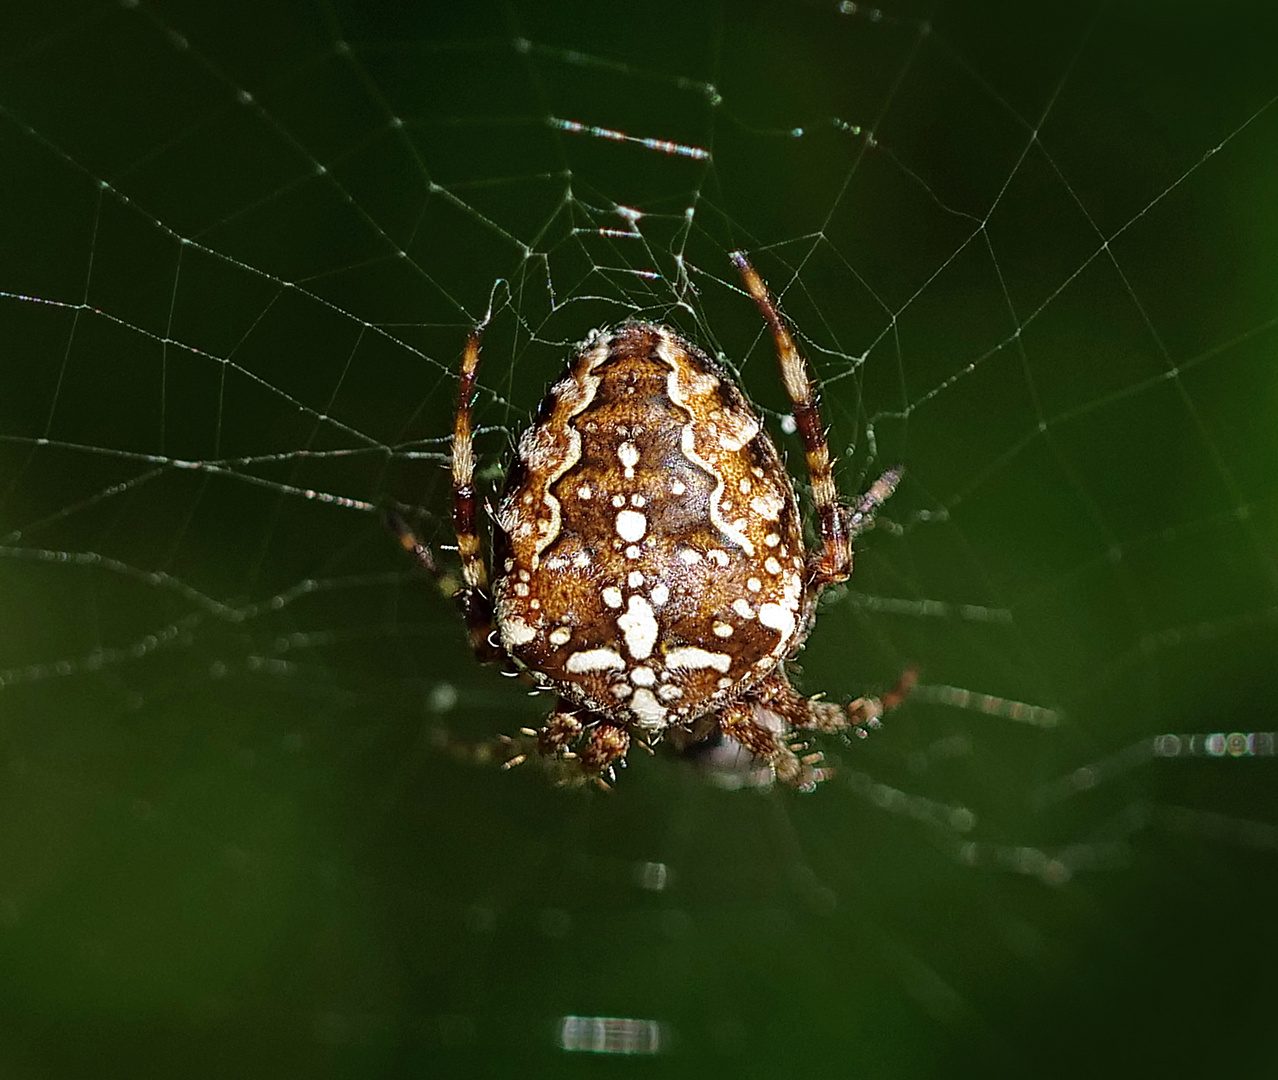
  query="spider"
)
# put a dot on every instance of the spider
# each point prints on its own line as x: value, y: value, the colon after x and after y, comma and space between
x: 649, y: 563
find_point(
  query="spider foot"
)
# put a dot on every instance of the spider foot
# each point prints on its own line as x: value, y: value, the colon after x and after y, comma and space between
x: 764, y: 733
x: 802, y: 767
x: 504, y: 751
x: 859, y: 517
x: 861, y: 715
x: 403, y: 532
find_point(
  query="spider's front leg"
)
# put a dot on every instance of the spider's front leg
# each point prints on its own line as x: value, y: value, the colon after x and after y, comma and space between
x: 474, y: 598
x: 832, y: 562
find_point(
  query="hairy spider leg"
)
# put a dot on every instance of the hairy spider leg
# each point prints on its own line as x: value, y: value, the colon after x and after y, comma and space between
x: 837, y: 525
x: 574, y: 752
x: 754, y: 720
x: 832, y: 563
x: 860, y: 516
x: 761, y: 730
x: 474, y: 598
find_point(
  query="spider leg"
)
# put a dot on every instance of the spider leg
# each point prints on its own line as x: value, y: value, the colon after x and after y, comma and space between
x: 860, y: 715
x: 575, y: 745
x: 766, y: 720
x: 762, y: 731
x: 403, y: 532
x: 552, y: 743
x: 832, y: 563
x: 473, y: 597
x: 860, y: 515
x: 478, y: 618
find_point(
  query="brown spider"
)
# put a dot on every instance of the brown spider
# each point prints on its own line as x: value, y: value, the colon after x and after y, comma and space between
x: 649, y: 566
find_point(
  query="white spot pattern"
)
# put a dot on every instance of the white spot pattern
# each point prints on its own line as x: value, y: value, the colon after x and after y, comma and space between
x: 587, y: 660
x: 516, y: 632
x: 639, y: 627
x: 644, y: 673
x: 631, y: 525
x: 646, y: 707
x: 777, y: 618
x: 689, y: 656
x: 628, y: 454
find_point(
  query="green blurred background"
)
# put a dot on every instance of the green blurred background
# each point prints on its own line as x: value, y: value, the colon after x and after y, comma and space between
x: 242, y: 247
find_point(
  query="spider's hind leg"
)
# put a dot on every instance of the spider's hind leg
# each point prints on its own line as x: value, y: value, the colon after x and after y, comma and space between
x: 832, y: 562
x: 859, y: 517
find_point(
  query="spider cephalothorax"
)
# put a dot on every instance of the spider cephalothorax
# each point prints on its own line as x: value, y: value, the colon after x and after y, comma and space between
x: 649, y: 565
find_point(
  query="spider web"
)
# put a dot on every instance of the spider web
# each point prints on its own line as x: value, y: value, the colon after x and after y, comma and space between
x: 1029, y: 253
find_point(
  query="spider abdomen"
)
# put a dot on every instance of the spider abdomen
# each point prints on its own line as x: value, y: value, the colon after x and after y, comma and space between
x: 650, y: 560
